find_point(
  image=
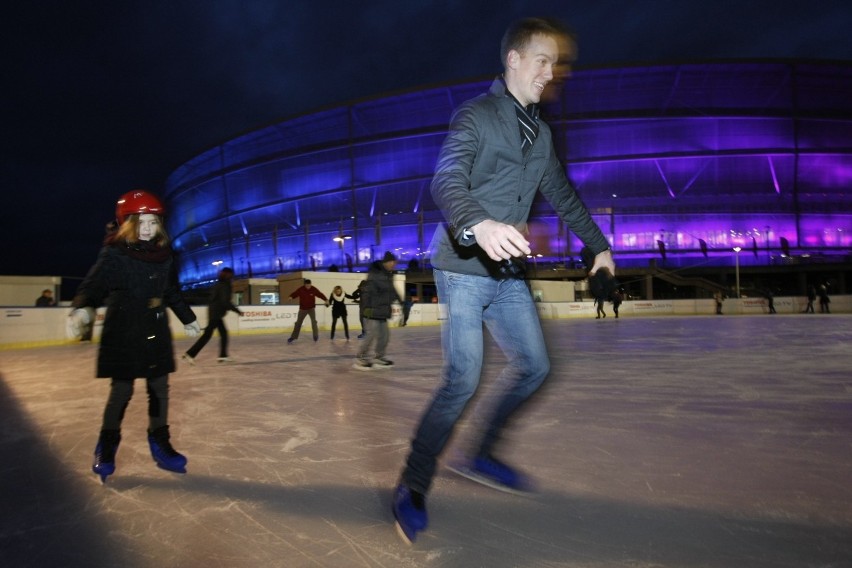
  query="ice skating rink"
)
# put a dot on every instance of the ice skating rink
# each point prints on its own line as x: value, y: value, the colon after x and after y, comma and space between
x: 704, y: 441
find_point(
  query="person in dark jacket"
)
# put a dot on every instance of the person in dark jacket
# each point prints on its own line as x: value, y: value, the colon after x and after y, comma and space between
x: 617, y: 299
x: 134, y: 278
x: 599, y: 306
x: 356, y: 297
x: 824, y: 300
x: 811, y: 297
x: 46, y: 299
x: 601, y: 284
x: 498, y: 155
x: 338, y: 310
x: 220, y: 304
x: 307, y: 295
x: 376, y: 299
x: 770, y: 301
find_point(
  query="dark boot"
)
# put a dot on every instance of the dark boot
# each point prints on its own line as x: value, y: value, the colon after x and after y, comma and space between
x: 105, y: 450
x: 163, y: 452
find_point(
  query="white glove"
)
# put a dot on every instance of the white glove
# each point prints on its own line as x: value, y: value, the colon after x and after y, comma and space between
x: 77, y: 321
x: 192, y: 329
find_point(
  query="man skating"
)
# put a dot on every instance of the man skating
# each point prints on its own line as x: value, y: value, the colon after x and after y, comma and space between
x: 497, y: 156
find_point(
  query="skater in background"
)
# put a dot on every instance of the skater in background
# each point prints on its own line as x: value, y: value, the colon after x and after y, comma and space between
x: 357, y: 296
x: 46, y: 299
x: 599, y: 306
x: 134, y: 278
x: 485, y: 191
x: 809, y: 309
x: 617, y: 298
x: 406, y: 309
x: 377, y: 297
x: 824, y: 300
x: 602, y: 285
x: 219, y: 305
x: 338, y: 310
x: 307, y: 295
x: 770, y: 301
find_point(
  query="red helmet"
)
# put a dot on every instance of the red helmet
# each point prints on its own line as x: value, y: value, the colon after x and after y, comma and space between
x: 137, y: 202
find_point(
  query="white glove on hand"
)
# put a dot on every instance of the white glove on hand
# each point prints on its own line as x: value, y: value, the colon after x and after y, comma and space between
x: 77, y: 322
x: 192, y: 329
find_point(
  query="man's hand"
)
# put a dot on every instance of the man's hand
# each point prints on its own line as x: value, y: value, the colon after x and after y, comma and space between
x: 604, y: 261
x: 501, y: 241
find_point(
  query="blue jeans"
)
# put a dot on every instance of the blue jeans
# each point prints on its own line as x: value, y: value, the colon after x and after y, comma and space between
x: 507, y: 309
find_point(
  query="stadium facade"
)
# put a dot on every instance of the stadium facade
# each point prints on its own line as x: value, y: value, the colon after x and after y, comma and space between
x: 679, y: 163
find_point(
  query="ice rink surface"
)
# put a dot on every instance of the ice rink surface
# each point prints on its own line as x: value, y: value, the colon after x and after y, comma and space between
x: 704, y: 441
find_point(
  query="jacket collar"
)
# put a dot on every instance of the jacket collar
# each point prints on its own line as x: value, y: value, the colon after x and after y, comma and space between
x: 499, y: 89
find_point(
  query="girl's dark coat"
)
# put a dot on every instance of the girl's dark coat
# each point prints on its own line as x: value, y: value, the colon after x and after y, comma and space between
x: 136, y: 282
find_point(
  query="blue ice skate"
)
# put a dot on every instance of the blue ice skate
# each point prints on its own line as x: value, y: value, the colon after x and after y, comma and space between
x: 105, y: 450
x: 163, y: 452
x: 492, y: 473
x: 409, y: 510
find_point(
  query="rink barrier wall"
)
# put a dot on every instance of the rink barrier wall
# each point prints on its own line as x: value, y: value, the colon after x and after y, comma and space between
x: 35, y: 327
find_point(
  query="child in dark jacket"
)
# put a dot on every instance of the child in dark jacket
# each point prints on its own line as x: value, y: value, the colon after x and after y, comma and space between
x: 134, y: 277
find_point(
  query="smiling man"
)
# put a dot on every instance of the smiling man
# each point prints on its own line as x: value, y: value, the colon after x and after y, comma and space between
x: 497, y: 156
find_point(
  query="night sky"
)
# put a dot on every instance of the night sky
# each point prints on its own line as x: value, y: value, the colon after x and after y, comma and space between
x: 102, y: 97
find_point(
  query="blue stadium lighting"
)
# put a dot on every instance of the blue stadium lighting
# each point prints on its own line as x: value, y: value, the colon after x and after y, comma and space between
x: 711, y: 151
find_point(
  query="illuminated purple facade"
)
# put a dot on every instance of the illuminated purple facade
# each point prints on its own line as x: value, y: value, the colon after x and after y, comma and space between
x: 686, y: 160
